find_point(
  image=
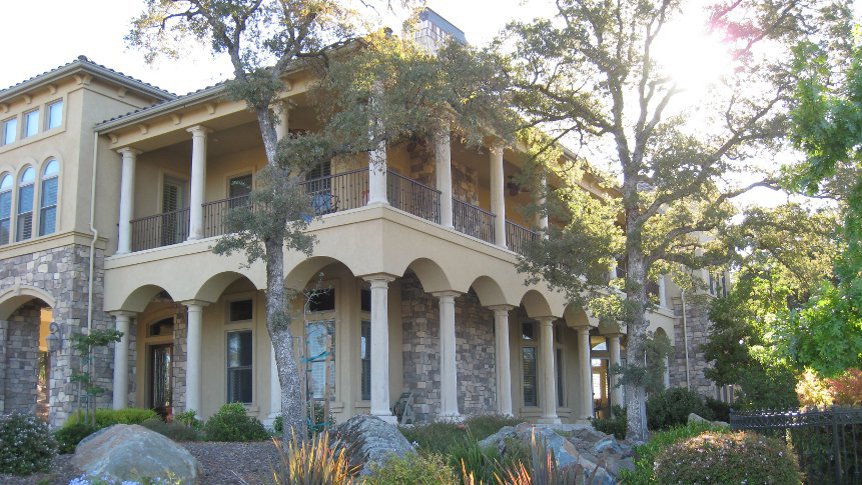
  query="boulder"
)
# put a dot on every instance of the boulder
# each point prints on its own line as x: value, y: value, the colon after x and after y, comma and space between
x: 370, y: 440
x: 130, y: 452
x: 694, y: 418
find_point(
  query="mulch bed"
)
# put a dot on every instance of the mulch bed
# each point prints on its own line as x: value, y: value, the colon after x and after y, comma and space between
x: 222, y: 464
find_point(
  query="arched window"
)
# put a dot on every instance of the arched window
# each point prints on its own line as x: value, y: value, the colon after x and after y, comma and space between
x: 24, y: 223
x: 48, y: 202
x: 5, y: 207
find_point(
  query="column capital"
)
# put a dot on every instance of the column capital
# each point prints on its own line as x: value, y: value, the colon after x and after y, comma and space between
x: 198, y: 303
x: 546, y: 320
x: 123, y: 313
x: 583, y: 329
x: 379, y: 278
x: 129, y: 151
x: 501, y: 309
x: 199, y: 130
x: 496, y: 147
x: 447, y: 294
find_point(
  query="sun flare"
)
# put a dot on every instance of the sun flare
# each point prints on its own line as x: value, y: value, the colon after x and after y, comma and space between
x: 691, y: 56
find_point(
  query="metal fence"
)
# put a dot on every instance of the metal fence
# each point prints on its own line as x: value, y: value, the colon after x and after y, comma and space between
x: 160, y: 230
x: 517, y: 237
x: 413, y: 197
x: 826, y: 441
x: 473, y: 220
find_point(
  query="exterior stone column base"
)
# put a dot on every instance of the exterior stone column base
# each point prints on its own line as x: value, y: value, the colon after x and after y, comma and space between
x: 389, y: 418
x: 554, y: 420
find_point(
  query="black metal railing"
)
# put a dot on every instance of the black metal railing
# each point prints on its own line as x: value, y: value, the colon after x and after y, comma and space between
x: 472, y: 220
x: 338, y: 192
x: 517, y: 237
x: 160, y: 230
x: 215, y: 213
x: 413, y: 197
x: 826, y: 441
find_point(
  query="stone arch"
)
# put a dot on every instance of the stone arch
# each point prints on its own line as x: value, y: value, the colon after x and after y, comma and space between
x: 213, y: 287
x: 576, y: 315
x: 536, y: 304
x: 489, y: 292
x: 12, y: 299
x: 431, y: 275
x: 138, y: 299
x: 298, y: 277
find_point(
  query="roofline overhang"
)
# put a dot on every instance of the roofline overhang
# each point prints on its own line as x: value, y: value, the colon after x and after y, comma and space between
x: 206, y: 94
x: 78, y: 66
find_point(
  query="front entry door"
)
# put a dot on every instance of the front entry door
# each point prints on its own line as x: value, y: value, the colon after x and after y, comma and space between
x: 161, y: 389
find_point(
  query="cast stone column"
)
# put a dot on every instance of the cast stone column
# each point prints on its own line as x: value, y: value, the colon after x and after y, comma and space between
x: 194, y: 362
x: 380, y: 346
x: 121, y: 360
x: 585, y: 367
x: 448, y: 363
x: 504, y: 368
x: 127, y: 198
x: 198, y: 182
x: 498, y: 194
x: 443, y: 169
x: 549, y: 371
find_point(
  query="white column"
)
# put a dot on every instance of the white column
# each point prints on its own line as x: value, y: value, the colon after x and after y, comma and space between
x: 549, y: 371
x: 448, y: 365
x: 498, y: 194
x: 377, y: 175
x: 443, y: 169
x: 281, y: 129
x: 586, y: 368
x: 662, y: 292
x: 127, y: 198
x: 542, y: 217
x: 380, y: 399
x: 274, y: 386
x: 504, y: 369
x: 194, y: 343
x: 198, y: 182
x: 121, y: 361
x: 614, y: 350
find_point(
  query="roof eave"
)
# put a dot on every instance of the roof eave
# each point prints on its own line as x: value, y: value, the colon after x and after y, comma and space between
x: 146, y: 113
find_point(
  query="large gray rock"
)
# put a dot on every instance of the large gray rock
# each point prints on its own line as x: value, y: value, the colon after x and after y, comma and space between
x: 131, y: 452
x: 370, y: 440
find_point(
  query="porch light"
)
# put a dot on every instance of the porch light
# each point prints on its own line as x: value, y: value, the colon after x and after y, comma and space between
x: 55, y: 337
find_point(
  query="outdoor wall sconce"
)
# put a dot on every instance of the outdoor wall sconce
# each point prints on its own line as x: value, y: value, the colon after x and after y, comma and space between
x: 55, y: 338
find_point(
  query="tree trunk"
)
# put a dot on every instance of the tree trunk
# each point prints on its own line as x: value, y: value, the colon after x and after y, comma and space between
x: 636, y: 419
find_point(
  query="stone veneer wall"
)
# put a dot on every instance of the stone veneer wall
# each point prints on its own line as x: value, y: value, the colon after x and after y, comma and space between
x: 465, y: 183
x: 178, y: 360
x: 697, y: 324
x: 22, y: 352
x: 61, y: 273
x: 475, y: 352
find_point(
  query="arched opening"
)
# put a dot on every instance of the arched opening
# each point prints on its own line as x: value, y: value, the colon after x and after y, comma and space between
x: 26, y: 356
x: 603, y: 373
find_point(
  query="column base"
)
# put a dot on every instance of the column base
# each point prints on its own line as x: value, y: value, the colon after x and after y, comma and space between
x: 549, y: 420
x: 389, y: 418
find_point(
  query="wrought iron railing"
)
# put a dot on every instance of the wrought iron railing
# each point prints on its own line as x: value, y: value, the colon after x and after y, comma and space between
x: 413, y: 197
x: 517, y: 237
x: 826, y: 441
x: 338, y: 192
x: 160, y: 230
x: 472, y: 220
x: 215, y: 213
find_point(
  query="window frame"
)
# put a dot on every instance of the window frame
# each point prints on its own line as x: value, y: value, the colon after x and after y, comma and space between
x: 25, y: 116
x: 249, y: 367
x: 4, y: 124
x: 42, y: 208
x: 533, y: 345
x: 11, y: 192
x: 18, y: 214
x: 237, y: 298
x: 48, y: 111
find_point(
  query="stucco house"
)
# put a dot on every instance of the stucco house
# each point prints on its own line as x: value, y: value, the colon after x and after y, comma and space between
x: 113, y: 191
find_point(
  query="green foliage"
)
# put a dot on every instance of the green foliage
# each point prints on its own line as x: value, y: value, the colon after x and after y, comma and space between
x: 671, y: 408
x: 728, y: 458
x: 278, y: 424
x: 70, y: 435
x: 541, y: 468
x: 174, y: 430
x: 311, y: 461
x: 26, y: 444
x: 109, y: 417
x: 646, y: 454
x: 231, y: 423
x: 846, y: 389
x: 189, y: 418
x: 435, y: 437
x: 615, y: 425
x: 481, y: 464
x: 484, y: 425
x: 415, y: 468
x: 720, y: 409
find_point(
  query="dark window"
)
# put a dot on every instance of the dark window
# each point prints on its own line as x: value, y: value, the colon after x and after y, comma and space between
x: 322, y: 301
x: 239, y: 186
x: 162, y: 328
x: 558, y: 366
x: 241, y: 310
x: 239, y: 371
x: 365, y: 298
x: 528, y: 331
x: 529, y: 366
x: 365, y: 357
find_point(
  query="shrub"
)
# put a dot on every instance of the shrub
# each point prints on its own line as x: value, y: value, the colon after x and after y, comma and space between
x: 70, y: 435
x: 231, y: 423
x: 26, y: 444
x: 728, y: 458
x: 615, y: 425
x: 419, y: 469
x: 188, y: 418
x: 847, y: 388
x: 312, y: 461
x: 541, y: 468
x: 436, y: 437
x: 278, y: 424
x: 720, y: 410
x: 174, y: 430
x: 811, y: 390
x: 484, y: 425
x: 109, y: 417
x: 645, y: 455
x: 671, y: 407
x: 470, y: 458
